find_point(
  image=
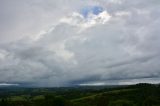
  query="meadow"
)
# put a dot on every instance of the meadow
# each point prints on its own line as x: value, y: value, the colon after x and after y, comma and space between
x: 133, y: 95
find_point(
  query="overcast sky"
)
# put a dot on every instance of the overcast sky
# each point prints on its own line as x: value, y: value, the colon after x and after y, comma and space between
x: 79, y: 42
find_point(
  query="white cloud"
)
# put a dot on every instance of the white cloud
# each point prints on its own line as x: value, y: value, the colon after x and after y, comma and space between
x: 122, y: 13
x: 116, y: 1
x: 3, y: 54
x: 76, y: 19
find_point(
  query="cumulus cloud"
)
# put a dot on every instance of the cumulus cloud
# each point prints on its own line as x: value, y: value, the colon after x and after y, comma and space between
x: 94, y: 42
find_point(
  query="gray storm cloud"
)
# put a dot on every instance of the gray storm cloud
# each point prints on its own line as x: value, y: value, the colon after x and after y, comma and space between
x: 50, y: 43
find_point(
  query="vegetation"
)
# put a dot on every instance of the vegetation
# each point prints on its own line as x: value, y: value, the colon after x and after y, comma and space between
x: 134, y: 95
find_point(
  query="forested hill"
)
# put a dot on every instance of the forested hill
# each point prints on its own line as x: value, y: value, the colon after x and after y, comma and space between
x: 133, y: 95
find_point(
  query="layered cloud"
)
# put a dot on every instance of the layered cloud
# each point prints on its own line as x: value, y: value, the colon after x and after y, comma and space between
x: 94, y: 42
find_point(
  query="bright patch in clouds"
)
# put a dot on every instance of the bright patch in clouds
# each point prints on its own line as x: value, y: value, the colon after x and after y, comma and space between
x: 8, y: 84
x: 93, y: 84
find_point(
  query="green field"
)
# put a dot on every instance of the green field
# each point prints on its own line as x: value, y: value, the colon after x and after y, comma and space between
x: 133, y: 95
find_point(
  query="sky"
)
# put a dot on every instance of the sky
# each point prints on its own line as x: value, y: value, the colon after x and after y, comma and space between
x: 53, y: 43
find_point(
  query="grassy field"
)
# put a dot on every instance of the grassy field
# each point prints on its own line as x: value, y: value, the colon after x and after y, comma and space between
x: 134, y: 95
